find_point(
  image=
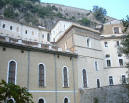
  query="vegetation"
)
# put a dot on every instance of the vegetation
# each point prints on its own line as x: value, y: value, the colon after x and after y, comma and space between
x: 85, y: 22
x: 20, y: 95
x: 99, y: 13
x: 96, y: 100
x: 125, y: 41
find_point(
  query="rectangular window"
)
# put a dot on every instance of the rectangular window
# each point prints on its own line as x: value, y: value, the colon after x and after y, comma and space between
x: 108, y: 63
x: 117, y: 43
x: 26, y: 32
x: 3, y: 26
x: 11, y: 28
x: 98, y: 83
x: 105, y: 44
x: 96, y: 65
x: 110, y: 80
x: 116, y: 30
x: 88, y: 42
x: 123, y: 79
x: 121, y: 62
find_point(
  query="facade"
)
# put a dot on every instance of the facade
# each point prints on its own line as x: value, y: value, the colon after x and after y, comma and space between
x: 81, y: 58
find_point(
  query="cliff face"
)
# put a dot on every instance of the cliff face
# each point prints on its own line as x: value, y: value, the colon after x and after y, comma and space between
x: 45, y: 14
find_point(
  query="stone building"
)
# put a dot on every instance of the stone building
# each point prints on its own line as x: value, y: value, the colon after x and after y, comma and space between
x: 80, y: 59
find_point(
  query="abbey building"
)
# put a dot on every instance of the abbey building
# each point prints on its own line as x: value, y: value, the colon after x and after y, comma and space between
x: 57, y: 65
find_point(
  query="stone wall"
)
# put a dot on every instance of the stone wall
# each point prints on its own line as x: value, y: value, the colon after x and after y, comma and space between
x: 108, y: 94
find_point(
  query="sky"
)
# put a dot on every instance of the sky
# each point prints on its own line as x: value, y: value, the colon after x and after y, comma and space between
x: 118, y: 9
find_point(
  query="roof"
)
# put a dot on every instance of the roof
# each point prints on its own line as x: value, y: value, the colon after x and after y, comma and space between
x: 113, y: 22
x: 78, y: 26
x: 36, y: 49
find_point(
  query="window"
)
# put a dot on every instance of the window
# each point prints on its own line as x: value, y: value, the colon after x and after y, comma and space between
x: 3, y: 26
x: 110, y: 80
x: 98, y: 83
x: 88, y: 42
x: 123, y: 79
x: 32, y: 33
x: 116, y: 30
x: 41, y: 75
x: 96, y: 65
x: 26, y: 32
x: 105, y: 44
x: 12, y: 72
x: 119, y: 55
x: 107, y: 56
x: 121, y: 62
x: 48, y: 37
x: 11, y: 100
x: 66, y: 100
x: 108, y: 63
x: 41, y: 101
x: 11, y: 27
x: 65, y: 76
x: 117, y: 43
x: 84, y: 78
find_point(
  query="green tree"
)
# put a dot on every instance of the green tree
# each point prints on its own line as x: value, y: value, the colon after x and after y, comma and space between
x: 125, y: 40
x: 19, y: 94
x: 99, y: 13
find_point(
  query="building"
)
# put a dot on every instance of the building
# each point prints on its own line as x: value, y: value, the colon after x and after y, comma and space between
x: 80, y: 58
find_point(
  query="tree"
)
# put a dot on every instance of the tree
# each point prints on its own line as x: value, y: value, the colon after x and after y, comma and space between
x: 99, y: 13
x: 9, y: 90
x: 125, y: 40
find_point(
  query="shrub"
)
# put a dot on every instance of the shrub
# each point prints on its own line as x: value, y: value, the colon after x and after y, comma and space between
x: 85, y: 22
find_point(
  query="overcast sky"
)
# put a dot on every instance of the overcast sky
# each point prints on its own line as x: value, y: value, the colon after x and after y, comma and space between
x: 115, y: 8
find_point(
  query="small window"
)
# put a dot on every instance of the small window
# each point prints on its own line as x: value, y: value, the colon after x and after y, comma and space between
x: 88, y: 42
x: 48, y: 37
x: 105, y: 44
x: 121, y: 62
x: 107, y: 56
x: 110, y: 80
x: 123, y: 79
x: 11, y: 28
x: 119, y: 55
x: 65, y: 77
x: 98, y: 83
x: 108, y: 63
x: 3, y: 26
x: 26, y: 32
x: 96, y: 65
x: 84, y: 78
x: 116, y: 30
x: 117, y: 43
x: 43, y: 36
x: 66, y: 100
x: 11, y: 100
x: 41, y: 101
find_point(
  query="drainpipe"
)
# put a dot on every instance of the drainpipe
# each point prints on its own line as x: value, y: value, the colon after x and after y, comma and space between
x: 73, y: 80
x: 55, y: 79
x: 28, y: 72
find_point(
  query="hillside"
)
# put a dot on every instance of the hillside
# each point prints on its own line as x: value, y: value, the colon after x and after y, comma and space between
x: 33, y: 12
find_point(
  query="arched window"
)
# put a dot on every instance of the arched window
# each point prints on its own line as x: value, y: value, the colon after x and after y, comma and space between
x: 41, y: 75
x: 84, y: 78
x: 66, y: 100
x: 11, y: 100
x: 65, y: 75
x: 12, y: 72
x: 41, y: 101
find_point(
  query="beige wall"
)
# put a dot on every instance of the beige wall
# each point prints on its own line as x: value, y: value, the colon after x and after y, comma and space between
x: 49, y: 91
x: 108, y: 28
